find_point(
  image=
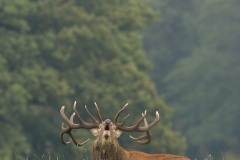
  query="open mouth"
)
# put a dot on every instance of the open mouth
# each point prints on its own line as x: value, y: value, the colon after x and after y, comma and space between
x: 107, y: 127
x: 106, y: 131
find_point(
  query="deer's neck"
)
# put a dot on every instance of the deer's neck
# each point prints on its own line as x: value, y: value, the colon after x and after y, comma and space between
x: 108, y: 151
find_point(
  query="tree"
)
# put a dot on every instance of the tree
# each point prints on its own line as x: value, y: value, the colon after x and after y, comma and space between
x: 55, y: 52
x: 202, y: 85
x: 168, y: 40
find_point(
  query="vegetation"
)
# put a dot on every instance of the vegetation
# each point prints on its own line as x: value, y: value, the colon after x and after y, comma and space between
x: 196, y: 68
x: 55, y: 52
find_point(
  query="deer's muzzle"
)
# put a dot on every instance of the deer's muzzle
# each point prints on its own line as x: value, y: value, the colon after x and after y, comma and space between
x: 107, y: 128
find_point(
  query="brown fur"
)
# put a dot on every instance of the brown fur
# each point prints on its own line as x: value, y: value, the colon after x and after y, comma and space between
x: 114, y: 151
x: 106, y: 147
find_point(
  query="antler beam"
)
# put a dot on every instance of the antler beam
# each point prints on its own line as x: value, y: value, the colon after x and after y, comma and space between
x: 136, y: 127
x: 81, y: 124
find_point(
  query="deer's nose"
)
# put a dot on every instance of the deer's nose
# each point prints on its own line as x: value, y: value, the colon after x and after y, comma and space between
x: 107, y: 121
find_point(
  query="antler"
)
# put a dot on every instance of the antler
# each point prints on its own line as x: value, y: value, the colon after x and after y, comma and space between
x: 145, y: 139
x: 81, y: 124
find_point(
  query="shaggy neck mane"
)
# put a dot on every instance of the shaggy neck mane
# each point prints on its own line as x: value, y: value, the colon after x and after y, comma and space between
x: 109, y: 151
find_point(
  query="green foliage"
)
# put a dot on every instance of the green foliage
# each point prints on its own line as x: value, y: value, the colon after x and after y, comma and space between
x: 203, y: 82
x: 167, y: 40
x: 55, y: 52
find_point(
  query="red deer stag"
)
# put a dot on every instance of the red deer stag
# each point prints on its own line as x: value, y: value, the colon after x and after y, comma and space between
x: 106, y: 146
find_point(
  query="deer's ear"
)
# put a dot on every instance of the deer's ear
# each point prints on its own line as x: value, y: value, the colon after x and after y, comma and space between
x: 119, y: 132
x: 94, y: 131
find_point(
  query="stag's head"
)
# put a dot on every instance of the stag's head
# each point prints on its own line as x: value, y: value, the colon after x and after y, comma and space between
x: 106, y: 131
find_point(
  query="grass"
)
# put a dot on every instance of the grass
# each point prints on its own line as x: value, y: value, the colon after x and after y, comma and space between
x: 209, y: 157
x: 48, y: 156
x: 85, y: 156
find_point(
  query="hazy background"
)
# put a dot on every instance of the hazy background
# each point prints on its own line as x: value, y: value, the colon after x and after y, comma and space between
x: 178, y: 57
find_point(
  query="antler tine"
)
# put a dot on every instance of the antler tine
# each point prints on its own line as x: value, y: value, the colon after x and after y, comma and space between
x: 145, y: 139
x: 73, y: 138
x: 119, y: 112
x: 145, y: 120
x: 91, y: 116
x: 124, y: 119
x: 155, y: 121
x: 98, y: 112
x: 77, y: 114
x: 86, y: 125
x: 64, y: 130
x: 146, y: 128
x: 72, y: 116
x: 72, y: 125
x: 125, y: 128
x: 76, y: 142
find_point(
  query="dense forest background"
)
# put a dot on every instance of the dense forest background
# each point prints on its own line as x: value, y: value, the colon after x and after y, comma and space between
x: 195, y: 49
x: 178, y: 57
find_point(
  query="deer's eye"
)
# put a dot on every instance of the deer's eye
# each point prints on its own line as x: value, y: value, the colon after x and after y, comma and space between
x: 100, y: 126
